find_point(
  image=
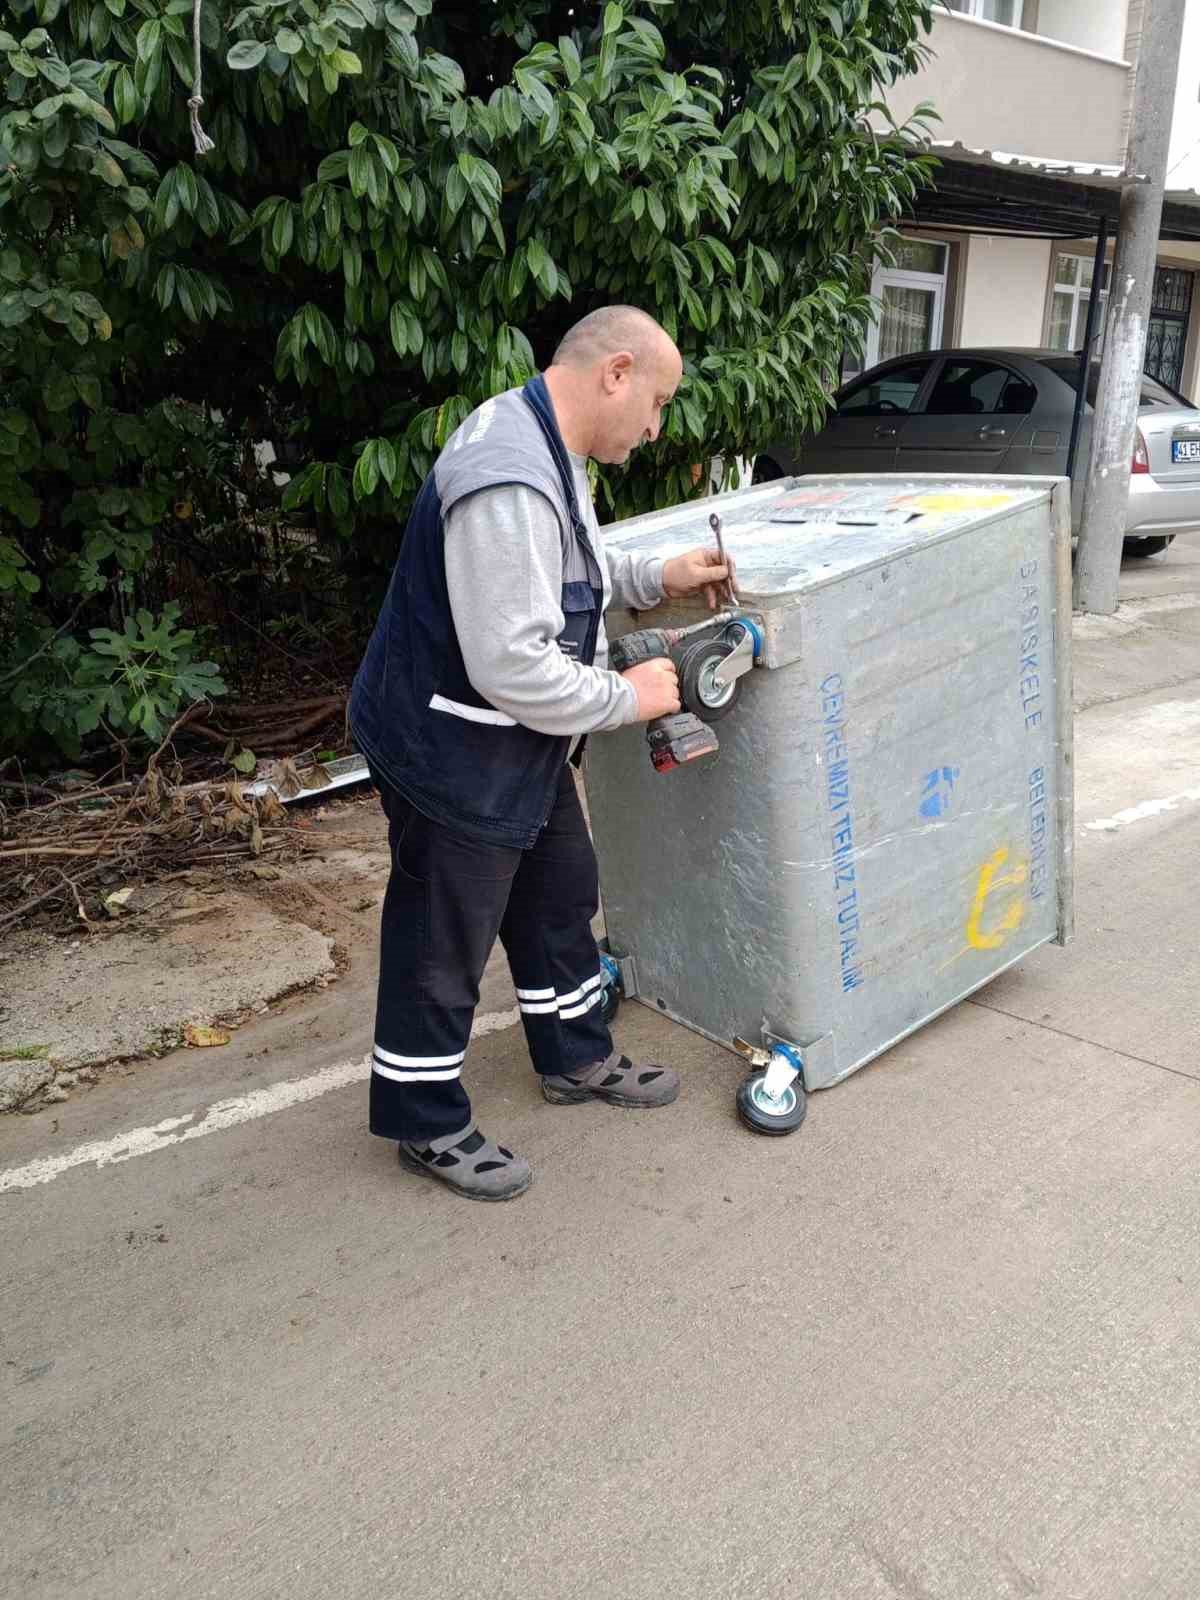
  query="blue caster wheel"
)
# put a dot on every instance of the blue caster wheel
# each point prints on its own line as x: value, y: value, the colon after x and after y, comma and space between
x: 610, y: 993
x: 763, y: 1113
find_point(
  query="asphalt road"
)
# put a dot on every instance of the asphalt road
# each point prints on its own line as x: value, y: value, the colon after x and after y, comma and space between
x: 939, y: 1346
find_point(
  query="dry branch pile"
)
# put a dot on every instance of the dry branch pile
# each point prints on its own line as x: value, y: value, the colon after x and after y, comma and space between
x: 75, y: 846
x: 270, y: 728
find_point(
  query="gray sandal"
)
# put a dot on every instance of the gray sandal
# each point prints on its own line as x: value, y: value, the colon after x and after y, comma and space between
x: 616, y: 1080
x: 469, y: 1163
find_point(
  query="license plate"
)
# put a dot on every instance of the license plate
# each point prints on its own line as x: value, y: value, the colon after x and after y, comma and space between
x: 1185, y: 449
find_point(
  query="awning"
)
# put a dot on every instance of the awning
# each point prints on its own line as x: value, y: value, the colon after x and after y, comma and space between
x: 1035, y: 197
x: 1091, y: 174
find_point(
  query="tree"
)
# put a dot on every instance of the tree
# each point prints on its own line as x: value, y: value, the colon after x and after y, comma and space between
x: 405, y: 206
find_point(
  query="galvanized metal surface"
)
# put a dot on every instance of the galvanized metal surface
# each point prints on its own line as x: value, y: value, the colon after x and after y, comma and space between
x: 887, y: 825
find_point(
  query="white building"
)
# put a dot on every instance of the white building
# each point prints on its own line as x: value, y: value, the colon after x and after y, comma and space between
x: 1034, y: 98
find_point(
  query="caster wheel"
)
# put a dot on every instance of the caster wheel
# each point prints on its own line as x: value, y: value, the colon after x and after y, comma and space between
x: 610, y: 994
x: 761, y: 1114
x: 709, y: 700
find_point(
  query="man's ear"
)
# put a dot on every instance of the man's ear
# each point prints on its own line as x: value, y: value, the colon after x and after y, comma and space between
x: 616, y: 371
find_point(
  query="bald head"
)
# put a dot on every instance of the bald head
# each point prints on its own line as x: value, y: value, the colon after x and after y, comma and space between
x: 607, y: 332
x: 611, y: 376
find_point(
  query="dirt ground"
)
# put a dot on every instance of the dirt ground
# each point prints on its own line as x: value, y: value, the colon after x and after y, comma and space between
x: 207, y: 950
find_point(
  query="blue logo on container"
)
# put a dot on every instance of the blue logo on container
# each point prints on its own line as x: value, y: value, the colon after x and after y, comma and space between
x: 938, y: 791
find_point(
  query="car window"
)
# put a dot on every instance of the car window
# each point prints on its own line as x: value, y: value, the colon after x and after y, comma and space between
x: 980, y: 389
x: 1157, y: 394
x: 883, y: 394
x: 1153, y: 393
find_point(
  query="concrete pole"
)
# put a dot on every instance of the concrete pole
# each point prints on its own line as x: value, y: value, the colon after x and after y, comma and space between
x: 1106, y: 492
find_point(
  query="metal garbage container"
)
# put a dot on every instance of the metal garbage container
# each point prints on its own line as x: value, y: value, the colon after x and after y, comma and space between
x: 888, y: 821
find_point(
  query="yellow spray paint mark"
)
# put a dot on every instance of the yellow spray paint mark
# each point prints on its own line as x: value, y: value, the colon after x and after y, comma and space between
x: 990, y: 880
x: 962, y: 500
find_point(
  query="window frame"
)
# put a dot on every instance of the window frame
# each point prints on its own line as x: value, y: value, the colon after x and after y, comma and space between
x: 1075, y: 291
x: 935, y: 283
x: 974, y: 10
x: 931, y: 360
x: 951, y: 359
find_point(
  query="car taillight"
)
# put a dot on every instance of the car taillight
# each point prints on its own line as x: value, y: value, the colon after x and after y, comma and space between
x: 1141, y: 456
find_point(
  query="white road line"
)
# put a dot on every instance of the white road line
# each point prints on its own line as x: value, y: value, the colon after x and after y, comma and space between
x: 1139, y: 813
x: 223, y: 1114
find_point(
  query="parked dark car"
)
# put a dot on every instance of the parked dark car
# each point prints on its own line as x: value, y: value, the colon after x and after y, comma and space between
x: 1004, y: 412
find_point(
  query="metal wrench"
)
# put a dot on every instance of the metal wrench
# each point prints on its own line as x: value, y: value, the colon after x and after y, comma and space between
x: 714, y: 523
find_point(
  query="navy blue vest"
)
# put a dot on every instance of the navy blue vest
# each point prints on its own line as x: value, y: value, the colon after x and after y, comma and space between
x: 413, y: 711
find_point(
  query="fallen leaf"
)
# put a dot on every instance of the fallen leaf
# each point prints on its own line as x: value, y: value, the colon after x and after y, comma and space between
x: 201, y: 1037
x: 116, y: 902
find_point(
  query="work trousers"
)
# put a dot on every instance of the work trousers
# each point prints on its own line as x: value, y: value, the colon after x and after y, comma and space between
x: 448, y: 897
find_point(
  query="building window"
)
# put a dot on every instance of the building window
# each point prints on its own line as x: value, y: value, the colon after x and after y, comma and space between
x: 1006, y: 12
x: 1166, y: 338
x: 1069, y: 302
x: 911, y: 297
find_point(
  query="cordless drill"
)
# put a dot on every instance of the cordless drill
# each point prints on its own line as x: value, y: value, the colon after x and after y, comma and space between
x: 674, y: 739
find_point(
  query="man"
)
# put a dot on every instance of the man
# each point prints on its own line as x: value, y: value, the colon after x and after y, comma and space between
x: 487, y: 664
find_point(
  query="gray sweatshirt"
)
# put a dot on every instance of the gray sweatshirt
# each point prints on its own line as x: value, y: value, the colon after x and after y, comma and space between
x: 504, y: 576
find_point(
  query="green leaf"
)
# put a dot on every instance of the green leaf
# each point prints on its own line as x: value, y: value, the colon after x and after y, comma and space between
x: 125, y: 96
x: 245, y: 55
x: 337, y: 492
x: 398, y: 327
x: 54, y: 72
x: 536, y: 90
x: 58, y: 391
x: 614, y: 16
x: 569, y: 57
x: 334, y: 167
x: 366, y: 473
x: 289, y: 41
x: 724, y: 256
x: 282, y: 230
x: 352, y: 263
x: 108, y: 170
x: 346, y: 62
x: 149, y: 38
x: 360, y: 171
x: 39, y: 212
x: 456, y: 188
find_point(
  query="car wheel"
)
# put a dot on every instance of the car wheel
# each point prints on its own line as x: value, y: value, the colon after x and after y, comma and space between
x: 1149, y: 547
x: 766, y: 470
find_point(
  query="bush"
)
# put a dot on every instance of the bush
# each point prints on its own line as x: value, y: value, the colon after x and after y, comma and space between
x: 406, y: 206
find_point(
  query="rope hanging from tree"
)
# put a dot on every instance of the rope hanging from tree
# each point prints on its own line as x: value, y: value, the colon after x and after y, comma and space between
x: 201, y: 140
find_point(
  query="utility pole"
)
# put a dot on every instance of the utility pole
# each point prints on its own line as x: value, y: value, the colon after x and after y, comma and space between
x: 1106, y: 491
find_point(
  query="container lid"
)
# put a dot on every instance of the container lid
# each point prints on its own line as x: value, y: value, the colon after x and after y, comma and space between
x: 800, y: 532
